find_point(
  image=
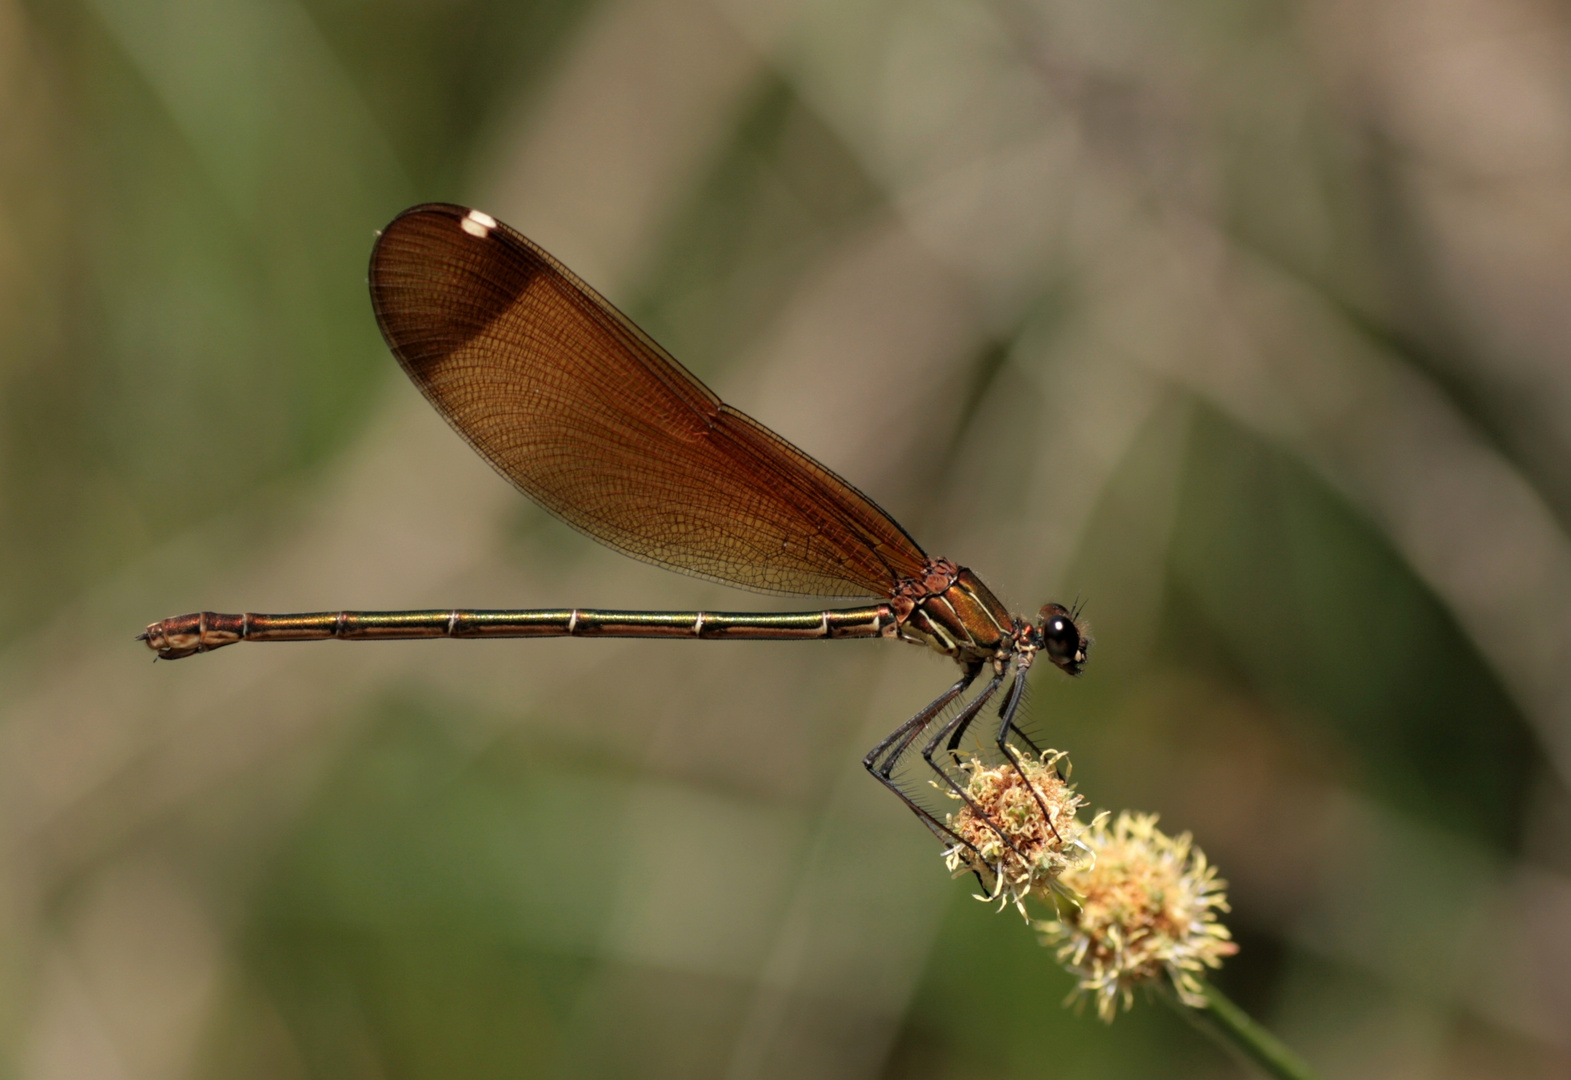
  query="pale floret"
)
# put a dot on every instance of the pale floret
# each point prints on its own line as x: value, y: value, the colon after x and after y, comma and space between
x: 1147, y: 909
x: 1010, y: 845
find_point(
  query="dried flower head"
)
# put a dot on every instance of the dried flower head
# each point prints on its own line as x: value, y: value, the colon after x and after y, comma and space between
x: 1147, y: 908
x: 1010, y: 844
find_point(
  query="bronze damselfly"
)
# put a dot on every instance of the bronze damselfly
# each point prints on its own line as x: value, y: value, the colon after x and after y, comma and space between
x: 586, y: 415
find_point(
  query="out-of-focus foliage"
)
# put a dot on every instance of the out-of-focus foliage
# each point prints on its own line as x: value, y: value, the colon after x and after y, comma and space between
x: 1244, y: 321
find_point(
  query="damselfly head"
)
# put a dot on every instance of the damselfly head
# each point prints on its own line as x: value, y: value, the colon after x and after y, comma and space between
x: 1063, y: 638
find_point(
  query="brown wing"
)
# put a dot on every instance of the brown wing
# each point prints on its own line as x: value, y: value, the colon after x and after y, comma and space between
x: 594, y: 421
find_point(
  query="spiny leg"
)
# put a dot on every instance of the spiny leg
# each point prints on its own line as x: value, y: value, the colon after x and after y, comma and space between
x: 960, y: 721
x: 1006, y: 713
x: 954, y: 740
x: 907, y: 732
x: 1006, y: 709
x: 881, y: 760
x: 961, y: 724
x: 1010, y: 703
x: 959, y: 733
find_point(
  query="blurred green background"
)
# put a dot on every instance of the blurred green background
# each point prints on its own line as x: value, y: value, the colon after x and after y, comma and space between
x: 1246, y: 321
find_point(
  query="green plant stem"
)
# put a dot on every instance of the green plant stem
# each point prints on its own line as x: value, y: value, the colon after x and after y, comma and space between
x: 1232, y: 1029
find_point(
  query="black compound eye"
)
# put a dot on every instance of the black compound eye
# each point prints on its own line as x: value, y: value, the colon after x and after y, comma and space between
x: 1062, y: 639
x: 1061, y: 636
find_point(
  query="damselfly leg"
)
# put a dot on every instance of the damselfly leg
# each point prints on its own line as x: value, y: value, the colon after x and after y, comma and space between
x: 1006, y: 713
x: 882, y: 759
x: 959, y: 722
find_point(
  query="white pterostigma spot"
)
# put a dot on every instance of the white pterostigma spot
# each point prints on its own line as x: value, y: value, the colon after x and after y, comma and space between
x: 478, y: 223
